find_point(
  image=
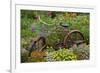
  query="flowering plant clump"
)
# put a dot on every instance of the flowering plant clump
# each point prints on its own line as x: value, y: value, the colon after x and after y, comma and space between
x: 82, y: 53
x: 61, y: 55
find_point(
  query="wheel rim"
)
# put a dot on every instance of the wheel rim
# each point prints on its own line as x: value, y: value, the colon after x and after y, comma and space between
x: 75, y: 37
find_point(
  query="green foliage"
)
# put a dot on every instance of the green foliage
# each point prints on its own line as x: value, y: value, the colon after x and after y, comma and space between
x: 28, y: 14
x: 61, y: 55
x: 80, y: 22
x: 50, y: 49
x: 55, y: 34
x: 82, y: 53
x: 26, y: 30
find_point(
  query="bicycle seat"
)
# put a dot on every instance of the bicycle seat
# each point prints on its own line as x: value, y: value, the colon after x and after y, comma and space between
x: 64, y: 25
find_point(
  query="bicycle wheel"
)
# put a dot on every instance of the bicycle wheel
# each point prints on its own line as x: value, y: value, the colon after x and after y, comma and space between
x: 73, y: 38
x: 37, y: 45
x: 40, y: 43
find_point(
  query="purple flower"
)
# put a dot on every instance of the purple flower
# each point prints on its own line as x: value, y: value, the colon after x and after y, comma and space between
x: 33, y: 29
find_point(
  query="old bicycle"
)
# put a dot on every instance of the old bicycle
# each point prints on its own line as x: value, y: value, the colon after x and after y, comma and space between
x: 71, y: 38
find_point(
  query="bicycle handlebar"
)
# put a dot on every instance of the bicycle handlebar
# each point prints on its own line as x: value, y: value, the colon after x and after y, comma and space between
x: 42, y: 21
